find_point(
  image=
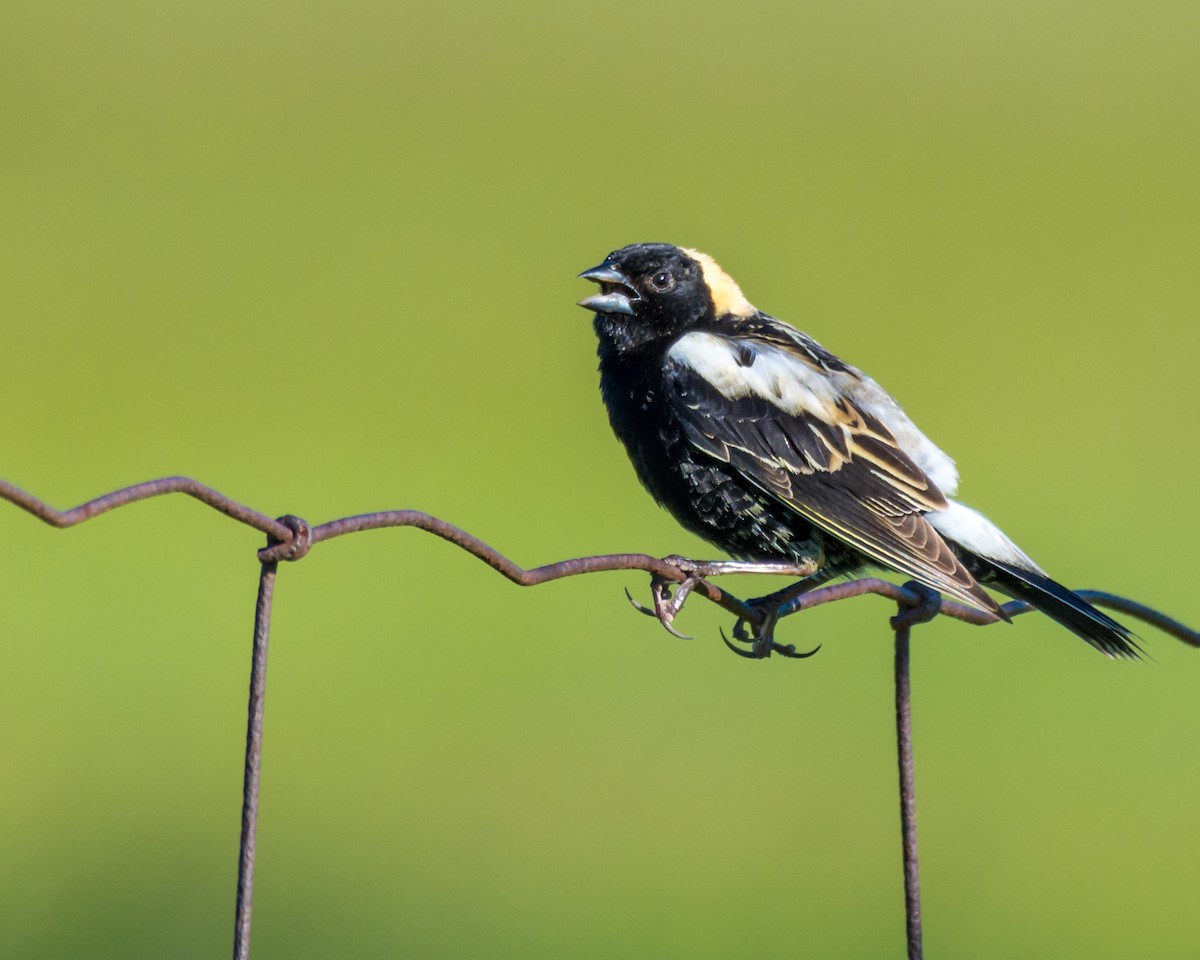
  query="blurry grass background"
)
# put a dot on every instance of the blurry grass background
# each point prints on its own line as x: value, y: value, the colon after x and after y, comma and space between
x: 323, y: 258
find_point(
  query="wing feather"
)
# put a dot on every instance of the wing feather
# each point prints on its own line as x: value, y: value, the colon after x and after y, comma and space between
x: 788, y: 420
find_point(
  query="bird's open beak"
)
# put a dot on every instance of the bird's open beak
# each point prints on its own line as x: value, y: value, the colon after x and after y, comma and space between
x: 616, y: 293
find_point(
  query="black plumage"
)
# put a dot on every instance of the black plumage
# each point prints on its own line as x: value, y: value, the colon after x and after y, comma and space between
x: 767, y: 445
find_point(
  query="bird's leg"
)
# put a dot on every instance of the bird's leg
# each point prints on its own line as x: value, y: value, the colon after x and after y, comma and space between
x: 783, y: 598
x: 669, y: 597
x: 928, y: 607
x: 700, y: 569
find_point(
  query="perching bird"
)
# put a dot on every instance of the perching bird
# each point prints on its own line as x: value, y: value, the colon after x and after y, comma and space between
x: 764, y: 443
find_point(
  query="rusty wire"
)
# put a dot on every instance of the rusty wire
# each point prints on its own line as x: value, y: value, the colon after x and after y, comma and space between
x: 290, y: 538
x: 253, y: 761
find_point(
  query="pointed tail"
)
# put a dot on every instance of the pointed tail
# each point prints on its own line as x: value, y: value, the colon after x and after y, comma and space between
x: 1059, y: 603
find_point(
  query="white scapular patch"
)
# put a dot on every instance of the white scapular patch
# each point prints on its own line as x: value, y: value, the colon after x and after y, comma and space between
x: 799, y: 388
x: 771, y: 373
x: 971, y: 529
x: 727, y: 296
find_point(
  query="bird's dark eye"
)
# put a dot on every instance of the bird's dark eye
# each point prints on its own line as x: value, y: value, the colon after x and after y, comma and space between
x: 662, y: 282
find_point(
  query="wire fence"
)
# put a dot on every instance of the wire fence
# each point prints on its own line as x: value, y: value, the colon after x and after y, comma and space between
x: 673, y: 579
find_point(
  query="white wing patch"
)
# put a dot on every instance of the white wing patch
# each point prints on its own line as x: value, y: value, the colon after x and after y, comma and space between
x: 972, y: 530
x: 741, y: 368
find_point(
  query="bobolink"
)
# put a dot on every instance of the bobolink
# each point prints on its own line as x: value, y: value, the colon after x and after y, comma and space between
x: 764, y: 443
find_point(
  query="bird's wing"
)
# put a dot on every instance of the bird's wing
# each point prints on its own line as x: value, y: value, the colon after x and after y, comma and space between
x: 790, y: 420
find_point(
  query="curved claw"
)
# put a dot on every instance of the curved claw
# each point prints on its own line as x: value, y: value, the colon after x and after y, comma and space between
x: 663, y: 613
x: 637, y: 606
x: 673, y: 632
x: 790, y: 651
x: 744, y: 654
x: 764, y: 645
x: 666, y: 605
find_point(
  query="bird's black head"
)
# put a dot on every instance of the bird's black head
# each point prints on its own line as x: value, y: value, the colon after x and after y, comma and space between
x: 655, y: 291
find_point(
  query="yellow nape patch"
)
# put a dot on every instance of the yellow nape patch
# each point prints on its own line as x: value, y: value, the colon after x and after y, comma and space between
x: 726, y: 295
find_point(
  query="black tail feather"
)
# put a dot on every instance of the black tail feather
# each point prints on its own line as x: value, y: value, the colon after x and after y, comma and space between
x: 1059, y: 603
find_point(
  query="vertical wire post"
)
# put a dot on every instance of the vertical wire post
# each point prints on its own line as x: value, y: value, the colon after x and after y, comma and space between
x: 908, y: 796
x: 253, y: 768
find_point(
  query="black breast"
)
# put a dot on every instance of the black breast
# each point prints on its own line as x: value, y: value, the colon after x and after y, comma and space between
x: 705, y: 494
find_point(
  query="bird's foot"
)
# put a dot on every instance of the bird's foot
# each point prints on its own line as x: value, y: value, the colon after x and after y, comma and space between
x: 761, y: 636
x: 929, y: 606
x: 669, y: 598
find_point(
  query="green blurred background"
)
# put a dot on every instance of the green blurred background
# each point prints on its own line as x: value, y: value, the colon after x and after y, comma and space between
x: 324, y: 259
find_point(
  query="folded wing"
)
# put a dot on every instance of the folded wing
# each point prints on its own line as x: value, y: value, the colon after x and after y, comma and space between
x: 795, y: 422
